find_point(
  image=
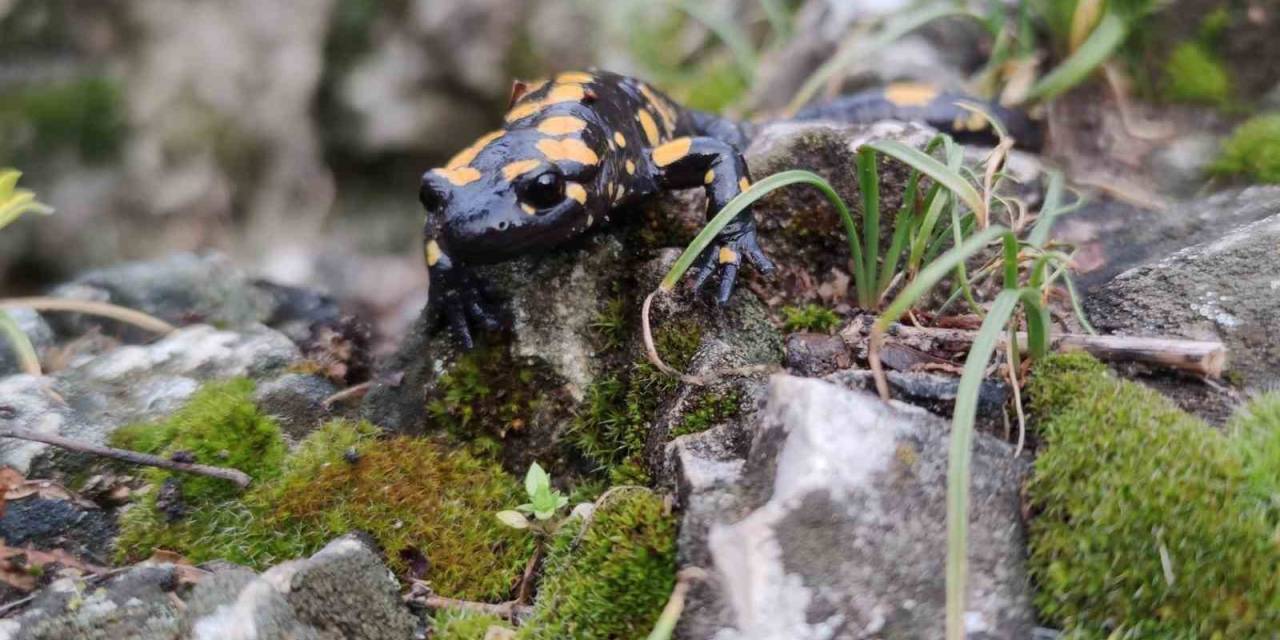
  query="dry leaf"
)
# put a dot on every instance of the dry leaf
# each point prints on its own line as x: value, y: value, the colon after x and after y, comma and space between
x: 21, y: 568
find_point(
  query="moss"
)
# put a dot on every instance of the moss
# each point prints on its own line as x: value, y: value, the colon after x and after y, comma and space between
x: 810, y: 317
x: 220, y: 425
x: 408, y: 494
x: 1253, y: 150
x: 610, y: 324
x: 1194, y: 74
x: 84, y: 115
x: 1256, y: 429
x: 612, y: 583
x: 465, y: 626
x: 1145, y: 524
x: 707, y: 410
x: 613, y: 423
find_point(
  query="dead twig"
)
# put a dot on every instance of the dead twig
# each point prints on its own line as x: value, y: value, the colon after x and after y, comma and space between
x: 350, y: 393
x: 240, y: 478
x: 512, y: 610
x: 103, y: 309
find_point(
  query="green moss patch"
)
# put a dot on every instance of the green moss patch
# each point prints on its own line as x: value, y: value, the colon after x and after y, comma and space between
x: 707, y: 410
x: 411, y: 495
x: 465, y: 625
x: 84, y: 115
x: 1146, y: 525
x: 220, y: 425
x: 614, y: 581
x: 1253, y: 150
x: 1194, y: 74
x: 810, y: 317
x: 614, y: 422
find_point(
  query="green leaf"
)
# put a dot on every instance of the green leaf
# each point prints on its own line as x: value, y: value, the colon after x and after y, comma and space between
x: 536, y: 479
x: 28, y: 361
x: 513, y: 519
x: 869, y: 186
x: 1102, y: 42
x: 961, y: 453
x: 935, y: 272
x: 930, y: 166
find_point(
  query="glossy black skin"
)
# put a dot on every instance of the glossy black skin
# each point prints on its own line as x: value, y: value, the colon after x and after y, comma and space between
x: 488, y: 215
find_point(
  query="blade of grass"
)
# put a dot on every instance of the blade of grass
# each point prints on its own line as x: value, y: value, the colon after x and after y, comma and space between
x: 937, y: 202
x: 28, y: 361
x: 1075, y: 304
x: 744, y: 200
x: 1101, y: 43
x: 861, y: 49
x: 779, y: 17
x: 962, y: 275
x: 1038, y: 322
x: 728, y: 31
x: 930, y: 166
x: 961, y: 454
x: 1049, y: 211
x: 869, y: 186
x: 103, y: 309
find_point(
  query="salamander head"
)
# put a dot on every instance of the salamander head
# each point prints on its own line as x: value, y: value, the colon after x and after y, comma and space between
x: 499, y: 205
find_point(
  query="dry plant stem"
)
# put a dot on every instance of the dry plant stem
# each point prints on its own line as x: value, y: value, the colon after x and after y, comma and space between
x: 1017, y: 399
x: 525, y: 592
x: 103, y: 309
x: 651, y: 351
x: 1206, y: 358
x: 507, y: 611
x: 240, y: 478
x: 874, y: 343
x: 350, y: 393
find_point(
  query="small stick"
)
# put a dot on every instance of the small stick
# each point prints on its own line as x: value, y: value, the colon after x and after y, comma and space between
x: 506, y: 610
x: 240, y: 478
x: 103, y: 309
x: 1201, y: 357
x: 350, y: 393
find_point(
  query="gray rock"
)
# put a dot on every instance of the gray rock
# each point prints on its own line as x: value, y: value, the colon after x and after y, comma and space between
x: 180, y: 289
x: 1113, y: 237
x: 36, y: 330
x: 96, y: 395
x: 816, y: 354
x: 139, y: 604
x: 1227, y: 289
x: 47, y: 523
x: 844, y: 528
x: 1181, y: 165
x: 296, y: 401
x: 933, y: 392
x: 343, y: 591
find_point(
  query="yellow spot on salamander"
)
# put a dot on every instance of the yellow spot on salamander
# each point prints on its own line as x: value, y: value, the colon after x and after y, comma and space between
x: 620, y: 139
x: 528, y: 208
x: 518, y: 168
x: 661, y: 106
x: 910, y: 94
x: 575, y: 76
x: 974, y: 121
x: 464, y: 157
x: 709, y: 177
x: 433, y: 253
x: 558, y: 93
x: 631, y: 167
x: 561, y: 125
x: 567, y: 149
x: 650, y: 127
x: 728, y: 256
x: 460, y: 176
x: 671, y: 151
x: 743, y: 183
x: 577, y: 192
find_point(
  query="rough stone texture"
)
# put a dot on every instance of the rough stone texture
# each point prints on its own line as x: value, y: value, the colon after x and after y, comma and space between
x: 137, y: 604
x: 1181, y: 166
x: 296, y: 401
x: 1227, y: 289
x: 816, y: 354
x: 1114, y: 237
x: 48, y: 523
x: 844, y: 528
x: 933, y: 392
x: 36, y: 329
x: 98, y: 394
x: 343, y: 591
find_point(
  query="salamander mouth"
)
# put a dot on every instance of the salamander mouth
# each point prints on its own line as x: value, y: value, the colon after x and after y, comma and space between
x: 517, y: 234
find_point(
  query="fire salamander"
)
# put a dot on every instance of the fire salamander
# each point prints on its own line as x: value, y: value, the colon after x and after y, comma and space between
x: 581, y: 145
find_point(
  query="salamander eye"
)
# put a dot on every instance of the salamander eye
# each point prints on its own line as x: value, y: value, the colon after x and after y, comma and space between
x: 431, y: 194
x: 543, y: 191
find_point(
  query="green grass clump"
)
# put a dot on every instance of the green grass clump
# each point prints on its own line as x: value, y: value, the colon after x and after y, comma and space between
x: 1146, y: 526
x: 810, y: 317
x: 84, y: 115
x: 465, y: 625
x: 613, y: 582
x: 613, y: 424
x: 1194, y: 74
x: 1253, y: 150
x: 220, y: 425
x: 409, y: 494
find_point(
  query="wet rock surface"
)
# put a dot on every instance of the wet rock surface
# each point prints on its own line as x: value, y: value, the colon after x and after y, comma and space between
x: 1223, y: 289
x: 828, y: 469
x: 46, y: 523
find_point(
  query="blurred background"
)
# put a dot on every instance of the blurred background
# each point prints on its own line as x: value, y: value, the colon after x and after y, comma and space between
x: 290, y: 134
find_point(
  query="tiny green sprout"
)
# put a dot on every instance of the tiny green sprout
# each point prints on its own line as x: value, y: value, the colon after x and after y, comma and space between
x: 544, y: 502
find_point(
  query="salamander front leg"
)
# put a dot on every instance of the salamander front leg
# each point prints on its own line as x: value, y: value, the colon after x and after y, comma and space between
x: 720, y: 169
x: 461, y: 295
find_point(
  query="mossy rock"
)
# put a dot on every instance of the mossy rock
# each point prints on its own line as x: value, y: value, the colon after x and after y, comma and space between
x: 612, y: 580
x: 1253, y: 150
x: 1148, y: 522
x: 412, y: 495
x: 1194, y: 74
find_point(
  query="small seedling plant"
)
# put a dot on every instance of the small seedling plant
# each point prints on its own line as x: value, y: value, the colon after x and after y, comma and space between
x: 541, y: 514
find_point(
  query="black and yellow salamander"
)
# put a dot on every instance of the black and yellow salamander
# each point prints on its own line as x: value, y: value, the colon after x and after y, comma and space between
x: 581, y: 145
